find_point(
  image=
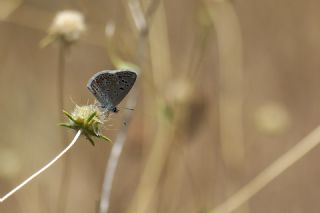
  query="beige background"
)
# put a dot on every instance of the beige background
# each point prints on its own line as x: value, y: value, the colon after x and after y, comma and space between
x: 281, y: 48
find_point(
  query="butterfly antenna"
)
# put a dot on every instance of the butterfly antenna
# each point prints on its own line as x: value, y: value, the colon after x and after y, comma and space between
x: 126, y: 108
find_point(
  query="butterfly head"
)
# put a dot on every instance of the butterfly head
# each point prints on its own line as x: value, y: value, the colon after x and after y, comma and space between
x: 110, y: 108
x: 114, y: 109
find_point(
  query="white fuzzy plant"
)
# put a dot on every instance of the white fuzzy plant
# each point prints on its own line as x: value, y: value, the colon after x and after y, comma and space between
x: 67, y: 26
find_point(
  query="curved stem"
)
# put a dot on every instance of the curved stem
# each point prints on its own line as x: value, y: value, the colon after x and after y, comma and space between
x: 42, y: 169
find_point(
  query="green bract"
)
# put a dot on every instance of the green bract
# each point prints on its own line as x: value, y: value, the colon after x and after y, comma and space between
x: 87, y: 118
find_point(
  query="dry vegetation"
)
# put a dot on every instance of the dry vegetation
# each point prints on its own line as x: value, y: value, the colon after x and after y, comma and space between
x: 226, y: 93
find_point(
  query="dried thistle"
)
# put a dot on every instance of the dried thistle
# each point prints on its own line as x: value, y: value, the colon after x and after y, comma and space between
x: 67, y: 26
x: 88, y: 119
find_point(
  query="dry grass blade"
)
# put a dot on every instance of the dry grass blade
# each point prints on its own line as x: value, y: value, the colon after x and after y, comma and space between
x: 270, y: 173
x: 229, y: 39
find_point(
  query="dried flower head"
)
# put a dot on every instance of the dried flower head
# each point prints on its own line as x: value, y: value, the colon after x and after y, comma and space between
x: 67, y: 25
x: 272, y: 118
x: 179, y: 92
x: 89, y: 119
x: 81, y: 113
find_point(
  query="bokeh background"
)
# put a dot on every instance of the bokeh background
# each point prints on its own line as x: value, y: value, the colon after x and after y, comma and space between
x: 225, y: 88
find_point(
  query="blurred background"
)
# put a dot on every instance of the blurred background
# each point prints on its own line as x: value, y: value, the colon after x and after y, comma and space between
x: 224, y: 89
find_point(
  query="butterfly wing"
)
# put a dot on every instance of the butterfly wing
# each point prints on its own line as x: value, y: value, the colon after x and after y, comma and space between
x: 124, y: 82
x: 100, y: 85
x: 110, y: 87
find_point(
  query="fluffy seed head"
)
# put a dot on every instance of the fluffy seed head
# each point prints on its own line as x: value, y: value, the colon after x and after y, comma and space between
x: 68, y: 24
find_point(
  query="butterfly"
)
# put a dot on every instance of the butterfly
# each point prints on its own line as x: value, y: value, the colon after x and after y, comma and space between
x: 111, y: 86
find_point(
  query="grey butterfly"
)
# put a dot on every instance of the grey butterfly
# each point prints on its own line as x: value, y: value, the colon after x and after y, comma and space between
x: 111, y: 86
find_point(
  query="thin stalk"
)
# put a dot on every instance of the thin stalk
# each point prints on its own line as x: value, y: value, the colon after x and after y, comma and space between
x: 161, y: 71
x: 42, y: 169
x: 117, y: 148
x: 65, y: 180
x: 60, y: 83
x: 120, y: 139
x: 154, y: 166
x: 231, y: 85
x: 114, y: 157
x: 279, y: 166
x: 229, y: 39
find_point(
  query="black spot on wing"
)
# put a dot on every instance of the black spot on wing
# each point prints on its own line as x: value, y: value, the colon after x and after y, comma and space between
x: 111, y: 87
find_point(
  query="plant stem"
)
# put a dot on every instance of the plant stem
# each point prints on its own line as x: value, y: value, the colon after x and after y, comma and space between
x: 270, y: 173
x: 61, y: 74
x: 161, y: 71
x: 141, y: 24
x: 42, y: 169
x: 231, y: 91
x: 121, y: 137
x: 229, y: 39
x: 114, y: 157
x: 63, y: 191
